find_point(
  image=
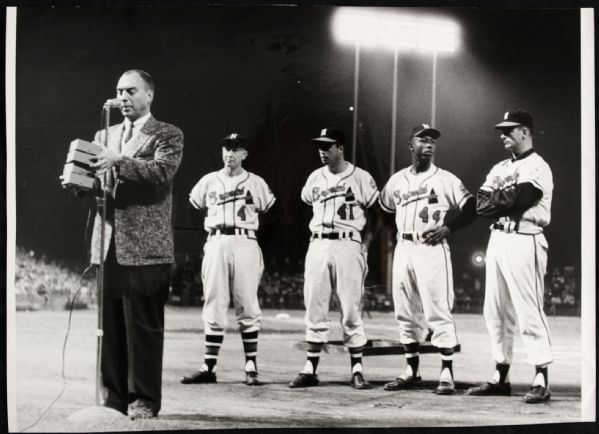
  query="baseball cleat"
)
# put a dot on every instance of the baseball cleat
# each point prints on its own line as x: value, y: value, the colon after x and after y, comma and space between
x: 445, y: 388
x: 200, y: 377
x: 251, y: 379
x: 491, y: 389
x: 537, y: 394
x: 404, y: 383
x: 358, y: 381
x: 304, y: 380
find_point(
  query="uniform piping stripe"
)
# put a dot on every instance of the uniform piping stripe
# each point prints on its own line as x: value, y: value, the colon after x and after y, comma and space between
x: 210, y: 356
x: 364, y: 271
x: 539, y: 303
x: 384, y: 207
x: 348, y: 175
x: 537, y: 184
x: 223, y: 204
x: 324, y: 211
x: 249, y: 341
x: 464, y: 199
x: 405, y: 215
x: 195, y: 203
x: 446, y: 254
x: 235, y: 201
x: 371, y: 201
x: 416, y: 201
x: 410, y: 355
x: 446, y: 357
x: 267, y: 207
x: 356, y: 355
x: 252, y: 354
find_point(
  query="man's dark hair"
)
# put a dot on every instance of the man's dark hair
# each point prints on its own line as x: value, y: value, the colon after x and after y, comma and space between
x: 147, y: 78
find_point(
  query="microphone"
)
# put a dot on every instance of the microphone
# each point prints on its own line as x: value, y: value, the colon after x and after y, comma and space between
x: 112, y: 103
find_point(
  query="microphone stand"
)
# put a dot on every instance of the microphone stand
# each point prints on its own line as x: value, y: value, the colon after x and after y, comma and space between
x: 101, y: 206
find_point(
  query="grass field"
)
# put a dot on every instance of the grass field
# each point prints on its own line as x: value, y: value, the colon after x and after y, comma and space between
x: 232, y: 404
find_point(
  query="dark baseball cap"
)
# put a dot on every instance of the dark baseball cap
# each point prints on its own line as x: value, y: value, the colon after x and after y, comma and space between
x: 515, y: 118
x: 234, y: 140
x: 424, y: 130
x: 330, y: 135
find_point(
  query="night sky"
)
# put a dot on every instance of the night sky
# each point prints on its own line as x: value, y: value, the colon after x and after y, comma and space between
x: 277, y: 75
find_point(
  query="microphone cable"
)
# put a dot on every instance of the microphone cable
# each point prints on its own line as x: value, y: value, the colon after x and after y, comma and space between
x: 64, y: 347
x: 71, y: 307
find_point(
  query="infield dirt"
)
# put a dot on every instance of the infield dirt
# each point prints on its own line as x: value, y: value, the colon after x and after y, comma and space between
x: 232, y: 404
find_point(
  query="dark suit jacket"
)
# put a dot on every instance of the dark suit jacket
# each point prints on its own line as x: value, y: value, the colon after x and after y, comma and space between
x: 142, y: 222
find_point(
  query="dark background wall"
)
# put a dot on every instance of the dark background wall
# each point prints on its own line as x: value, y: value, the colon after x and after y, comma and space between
x: 277, y: 75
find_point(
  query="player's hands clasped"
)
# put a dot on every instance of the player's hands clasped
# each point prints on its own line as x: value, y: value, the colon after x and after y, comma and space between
x: 435, y: 236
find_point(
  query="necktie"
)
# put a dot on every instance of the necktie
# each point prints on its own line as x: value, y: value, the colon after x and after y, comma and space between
x: 129, y: 133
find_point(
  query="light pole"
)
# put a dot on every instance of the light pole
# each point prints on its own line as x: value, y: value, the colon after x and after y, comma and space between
x: 355, y: 120
x: 377, y: 29
x: 434, y: 91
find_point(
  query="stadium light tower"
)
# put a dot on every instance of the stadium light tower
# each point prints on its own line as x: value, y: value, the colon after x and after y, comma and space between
x: 397, y: 32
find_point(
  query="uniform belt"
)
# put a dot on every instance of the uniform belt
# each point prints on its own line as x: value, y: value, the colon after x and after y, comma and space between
x: 408, y: 236
x: 336, y: 236
x: 506, y: 227
x: 231, y: 231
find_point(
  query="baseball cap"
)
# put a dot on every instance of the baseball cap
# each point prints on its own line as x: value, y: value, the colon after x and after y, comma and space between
x: 234, y: 140
x: 515, y: 118
x: 423, y: 130
x: 330, y: 135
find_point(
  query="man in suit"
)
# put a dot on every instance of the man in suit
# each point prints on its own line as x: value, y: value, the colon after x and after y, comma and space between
x: 140, y: 161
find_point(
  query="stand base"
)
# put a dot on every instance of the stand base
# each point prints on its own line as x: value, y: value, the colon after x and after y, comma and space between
x: 95, y: 414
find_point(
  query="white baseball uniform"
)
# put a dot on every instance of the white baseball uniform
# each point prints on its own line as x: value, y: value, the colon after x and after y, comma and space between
x: 334, y: 261
x: 422, y: 274
x: 516, y: 264
x: 232, y: 257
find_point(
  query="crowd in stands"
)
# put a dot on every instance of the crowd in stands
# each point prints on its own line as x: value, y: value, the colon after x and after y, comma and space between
x: 562, y: 291
x: 41, y: 283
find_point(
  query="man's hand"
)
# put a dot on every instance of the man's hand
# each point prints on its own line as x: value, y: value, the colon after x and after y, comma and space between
x: 435, y: 236
x: 80, y: 192
x: 73, y: 189
x: 364, y: 248
x: 105, y: 160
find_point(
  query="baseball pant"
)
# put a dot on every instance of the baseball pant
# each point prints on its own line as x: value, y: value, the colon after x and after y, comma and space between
x: 514, y: 286
x: 423, y: 293
x: 133, y: 327
x: 340, y: 266
x: 232, y: 264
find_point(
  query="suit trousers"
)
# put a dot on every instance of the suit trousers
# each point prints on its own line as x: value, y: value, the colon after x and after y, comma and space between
x: 133, y: 330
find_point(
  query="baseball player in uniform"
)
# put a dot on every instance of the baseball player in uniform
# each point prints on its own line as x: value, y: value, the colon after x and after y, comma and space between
x: 233, y: 199
x: 517, y: 196
x: 420, y: 196
x: 340, y: 195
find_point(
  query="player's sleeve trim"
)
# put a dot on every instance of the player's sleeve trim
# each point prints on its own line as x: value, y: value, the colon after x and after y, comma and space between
x: 385, y: 207
x: 195, y: 203
x: 464, y: 199
x: 534, y: 182
x: 270, y: 204
x: 372, y: 199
